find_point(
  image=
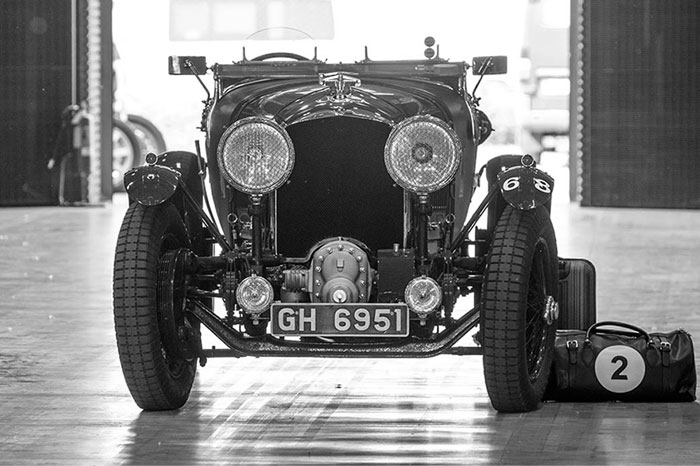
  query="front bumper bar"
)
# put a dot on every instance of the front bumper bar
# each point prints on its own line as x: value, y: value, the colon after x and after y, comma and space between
x: 269, y: 346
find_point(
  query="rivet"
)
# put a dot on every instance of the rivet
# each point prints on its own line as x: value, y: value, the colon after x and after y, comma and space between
x: 320, y: 258
x: 362, y: 270
x: 359, y: 258
x: 351, y: 250
x: 340, y: 247
x: 318, y: 268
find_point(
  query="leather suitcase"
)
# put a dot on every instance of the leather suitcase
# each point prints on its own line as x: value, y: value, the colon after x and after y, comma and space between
x: 577, y: 298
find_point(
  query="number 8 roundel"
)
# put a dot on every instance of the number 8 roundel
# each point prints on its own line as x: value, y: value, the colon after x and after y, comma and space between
x: 619, y: 368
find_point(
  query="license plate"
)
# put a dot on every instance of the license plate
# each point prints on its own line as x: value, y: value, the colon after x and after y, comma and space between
x: 350, y: 320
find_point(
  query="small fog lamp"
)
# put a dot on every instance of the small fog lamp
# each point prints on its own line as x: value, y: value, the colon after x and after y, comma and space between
x: 423, y: 295
x: 254, y: 294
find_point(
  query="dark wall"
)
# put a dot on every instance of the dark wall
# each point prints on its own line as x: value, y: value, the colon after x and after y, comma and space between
x: 35, y: 86
x: 640, y: 107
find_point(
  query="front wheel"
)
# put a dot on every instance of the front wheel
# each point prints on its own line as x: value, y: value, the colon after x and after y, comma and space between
x: 519, y: 309
x: 155, y: 340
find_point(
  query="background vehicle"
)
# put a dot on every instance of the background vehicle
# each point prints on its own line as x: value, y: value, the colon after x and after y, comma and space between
x: 133, y: 137
x: 343, y: 194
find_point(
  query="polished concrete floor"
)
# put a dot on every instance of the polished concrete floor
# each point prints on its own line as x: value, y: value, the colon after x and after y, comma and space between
x: 63, y: 399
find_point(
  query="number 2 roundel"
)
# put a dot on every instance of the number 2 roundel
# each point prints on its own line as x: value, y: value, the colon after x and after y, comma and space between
x: 619, y: 368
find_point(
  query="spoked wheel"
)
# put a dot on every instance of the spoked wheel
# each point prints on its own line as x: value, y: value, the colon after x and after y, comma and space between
x: 150, y: 137
x: 157, y: 343
x: 519, y: 309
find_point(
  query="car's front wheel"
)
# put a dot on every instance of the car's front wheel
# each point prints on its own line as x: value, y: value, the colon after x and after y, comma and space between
x: 519, y: 309
x: 155, y: 339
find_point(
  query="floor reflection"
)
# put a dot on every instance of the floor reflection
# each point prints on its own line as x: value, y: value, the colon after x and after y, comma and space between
x: 382, y: 412
x: 63, y: 399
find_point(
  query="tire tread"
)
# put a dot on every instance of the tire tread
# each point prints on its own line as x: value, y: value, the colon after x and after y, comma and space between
x: 135, y: 310
x: 505, y: 365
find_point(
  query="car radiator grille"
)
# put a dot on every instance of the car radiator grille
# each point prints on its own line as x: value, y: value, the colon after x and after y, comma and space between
x: 339, y: 187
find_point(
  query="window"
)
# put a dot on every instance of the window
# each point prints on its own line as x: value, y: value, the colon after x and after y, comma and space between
x: 251, y: 19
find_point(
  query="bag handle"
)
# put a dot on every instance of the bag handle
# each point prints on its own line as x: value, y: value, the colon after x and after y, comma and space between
x: 595, y: 328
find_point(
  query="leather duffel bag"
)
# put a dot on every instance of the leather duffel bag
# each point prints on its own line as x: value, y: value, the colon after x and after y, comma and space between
x: 615, y: 361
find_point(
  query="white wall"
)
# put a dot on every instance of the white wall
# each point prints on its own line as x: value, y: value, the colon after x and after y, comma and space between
x: 391, y: 29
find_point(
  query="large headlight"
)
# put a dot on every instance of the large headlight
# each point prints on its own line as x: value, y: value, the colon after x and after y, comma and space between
x: 256, y: 155
x: 422, y: 154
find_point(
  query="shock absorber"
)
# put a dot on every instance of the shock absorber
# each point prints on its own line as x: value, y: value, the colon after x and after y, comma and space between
x: 255, y: 211
x: 424, y: 210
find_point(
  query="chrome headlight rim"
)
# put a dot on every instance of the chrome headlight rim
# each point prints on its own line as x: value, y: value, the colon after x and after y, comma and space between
x: 453, y: 164
x: 273, y: 184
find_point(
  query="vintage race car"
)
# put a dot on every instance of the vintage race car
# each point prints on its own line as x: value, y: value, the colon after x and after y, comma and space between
x: 342, y: 195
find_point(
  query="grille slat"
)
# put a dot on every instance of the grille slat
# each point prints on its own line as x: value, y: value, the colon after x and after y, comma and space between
x: 339, y: 187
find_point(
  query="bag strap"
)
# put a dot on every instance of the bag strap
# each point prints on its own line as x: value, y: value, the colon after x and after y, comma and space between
x: 665, y: 347
x: 571, y: 348
x: 595, y: 328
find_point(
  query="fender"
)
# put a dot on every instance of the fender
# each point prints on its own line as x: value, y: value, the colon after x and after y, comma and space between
x: 525, y: 187
x: 163, y: 180
x: 156, y: 182
x: 151, y: 185
x: 512, y: 180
